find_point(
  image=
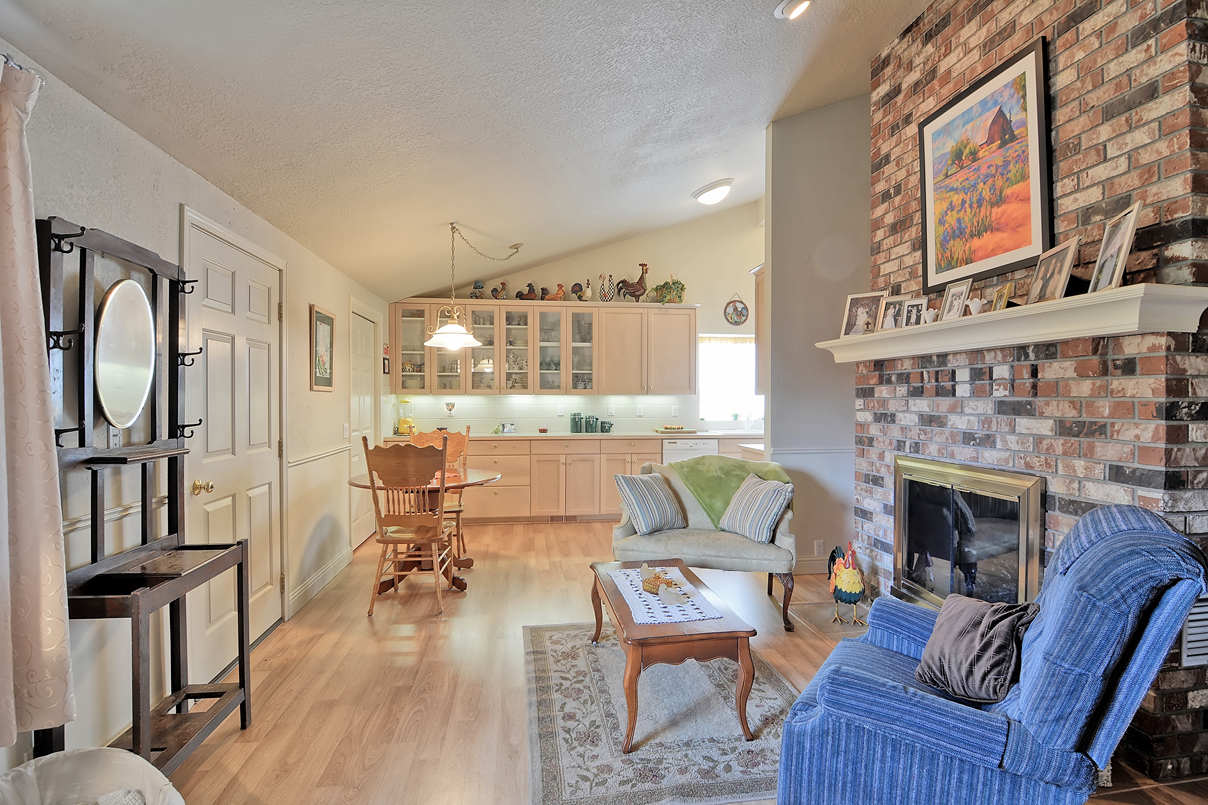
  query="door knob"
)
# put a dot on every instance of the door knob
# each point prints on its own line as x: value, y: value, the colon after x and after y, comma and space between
x: 199, y: 486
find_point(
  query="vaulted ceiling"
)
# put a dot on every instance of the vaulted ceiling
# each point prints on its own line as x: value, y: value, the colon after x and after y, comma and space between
x: 362, y: 127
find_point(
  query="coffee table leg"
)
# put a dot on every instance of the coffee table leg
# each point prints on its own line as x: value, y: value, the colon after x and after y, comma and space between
x: 595, y: 603
x: 633, y: 669
x: 746, y: 676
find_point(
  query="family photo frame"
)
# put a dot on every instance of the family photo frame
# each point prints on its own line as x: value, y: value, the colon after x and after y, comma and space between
x: 1053, y: 270
x: 1118, y: 234
x: 860, y: 314
x: 984, y: 170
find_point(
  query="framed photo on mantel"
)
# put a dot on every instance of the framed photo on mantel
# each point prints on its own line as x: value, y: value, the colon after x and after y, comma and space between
x: 984, y: 172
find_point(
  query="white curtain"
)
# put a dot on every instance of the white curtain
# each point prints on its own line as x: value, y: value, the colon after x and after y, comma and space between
x: 35, y: 661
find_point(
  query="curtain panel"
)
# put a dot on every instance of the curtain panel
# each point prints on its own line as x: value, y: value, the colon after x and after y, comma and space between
x: 35, y: 660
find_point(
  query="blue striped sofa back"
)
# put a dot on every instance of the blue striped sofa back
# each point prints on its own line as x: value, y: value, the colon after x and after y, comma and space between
x: 1107, y: 580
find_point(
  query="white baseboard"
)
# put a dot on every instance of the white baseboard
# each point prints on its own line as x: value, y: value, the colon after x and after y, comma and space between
x: 810, y: 564
x: 311, y: 587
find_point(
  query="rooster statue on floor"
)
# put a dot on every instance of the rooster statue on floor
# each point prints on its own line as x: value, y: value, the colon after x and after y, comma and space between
x: 846, y: 583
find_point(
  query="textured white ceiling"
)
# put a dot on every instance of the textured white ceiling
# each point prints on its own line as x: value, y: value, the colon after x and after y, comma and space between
x: 362, y: 127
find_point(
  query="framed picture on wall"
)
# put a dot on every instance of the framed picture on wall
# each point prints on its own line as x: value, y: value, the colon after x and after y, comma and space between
x: 322, y: 349
x: 984, y: 171
x: 1114, y: 249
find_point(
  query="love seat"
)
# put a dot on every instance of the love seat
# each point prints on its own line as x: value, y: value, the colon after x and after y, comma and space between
x: 1114, y: 598
x: 702, y: 544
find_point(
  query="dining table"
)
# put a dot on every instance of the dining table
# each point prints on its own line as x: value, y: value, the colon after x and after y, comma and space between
x: 454, y: 480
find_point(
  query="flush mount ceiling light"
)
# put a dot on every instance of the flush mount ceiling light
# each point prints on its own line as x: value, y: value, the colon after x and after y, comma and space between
x: 791, y: 9
x: 713, y: 193
x: 454, y: 335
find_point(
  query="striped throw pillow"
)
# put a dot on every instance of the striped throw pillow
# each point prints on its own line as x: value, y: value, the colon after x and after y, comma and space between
x: 650, y: 502
x: 756, y: 508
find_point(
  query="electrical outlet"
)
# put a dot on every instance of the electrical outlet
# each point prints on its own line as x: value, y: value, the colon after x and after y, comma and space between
x: 612, y: 410
x: 639, y: 411
x: 818, y: 549
x: 561, y: 410
x: 347, y: 430
x: 115, y: 438
x: 675, y: 410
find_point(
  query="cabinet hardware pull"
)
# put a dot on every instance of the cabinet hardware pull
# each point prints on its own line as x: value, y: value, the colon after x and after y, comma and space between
x: 495, y: 460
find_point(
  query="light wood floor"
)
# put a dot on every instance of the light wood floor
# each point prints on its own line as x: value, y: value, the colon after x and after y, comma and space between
x: 411, y: 706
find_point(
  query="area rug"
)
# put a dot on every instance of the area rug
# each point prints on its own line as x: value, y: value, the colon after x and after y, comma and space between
x: 687, y: 746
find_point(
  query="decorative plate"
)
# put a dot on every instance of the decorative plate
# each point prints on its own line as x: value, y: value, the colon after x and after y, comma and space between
x: 736, y: 312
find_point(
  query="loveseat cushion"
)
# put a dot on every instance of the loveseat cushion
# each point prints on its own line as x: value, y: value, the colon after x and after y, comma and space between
x: 756, y: 508
x: 698, y: 547
x: 650, y: 502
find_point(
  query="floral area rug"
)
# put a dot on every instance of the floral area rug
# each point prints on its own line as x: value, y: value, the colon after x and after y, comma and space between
x: 687, y: 746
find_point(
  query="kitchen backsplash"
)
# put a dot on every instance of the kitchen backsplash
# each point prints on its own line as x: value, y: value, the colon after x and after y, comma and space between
x: 530, y: 412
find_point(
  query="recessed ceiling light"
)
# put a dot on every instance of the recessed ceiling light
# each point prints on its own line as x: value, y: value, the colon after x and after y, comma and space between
x: 713, y: 193
x: 791, y: 9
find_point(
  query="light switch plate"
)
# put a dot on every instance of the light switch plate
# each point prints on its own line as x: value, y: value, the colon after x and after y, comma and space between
x: 675, y: 410
x: 115, y: 437
x: 639, y: 411
x: 561, y: 410
x: 347, y: 430
x: 612, y: 410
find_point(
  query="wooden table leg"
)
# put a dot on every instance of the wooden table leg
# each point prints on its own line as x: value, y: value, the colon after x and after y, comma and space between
x: 595, y: 603
x: 633, y: 669
x: 746, y: 676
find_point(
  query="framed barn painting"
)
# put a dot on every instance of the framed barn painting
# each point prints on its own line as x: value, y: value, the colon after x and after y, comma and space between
x: 984, y: 171
x: 322, y: 349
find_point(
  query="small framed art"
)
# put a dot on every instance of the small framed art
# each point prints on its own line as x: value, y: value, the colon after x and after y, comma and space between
x: 892, y: 313
x: 1002, y: 295
x: 1113, y: 252
x: 1053, y: 272
x: 860, y: 313
x: 955, y: 296
x: 914, y: 312
x: 322, y: 349
x: 385, y: 366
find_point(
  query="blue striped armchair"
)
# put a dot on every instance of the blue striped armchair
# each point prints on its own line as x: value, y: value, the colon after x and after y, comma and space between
x: 1114, y: 599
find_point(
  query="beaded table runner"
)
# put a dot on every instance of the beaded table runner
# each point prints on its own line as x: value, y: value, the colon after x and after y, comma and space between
x: 648, y: 608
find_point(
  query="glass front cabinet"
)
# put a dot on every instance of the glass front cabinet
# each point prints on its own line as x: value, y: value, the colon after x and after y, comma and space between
x: 409, y: 358
x: 448, y: 375
x: 517, y: 344
x: 483, y: 360
x: 581, y: 341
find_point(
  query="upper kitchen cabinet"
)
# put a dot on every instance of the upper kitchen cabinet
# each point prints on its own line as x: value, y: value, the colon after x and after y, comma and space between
x: 408, y: 332
x: 623, y: 349
x: 671, y: 348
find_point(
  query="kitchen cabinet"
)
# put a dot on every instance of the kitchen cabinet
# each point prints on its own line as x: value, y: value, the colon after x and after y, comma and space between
x: 481, y: 361
x: 671, y: 345
x: 623, y: 458
x: 447, y: 369
x: 623, y: 353
x: 506, y: 498
x: 518, y: 353
x: 565, y: 477
x: 408, y: 355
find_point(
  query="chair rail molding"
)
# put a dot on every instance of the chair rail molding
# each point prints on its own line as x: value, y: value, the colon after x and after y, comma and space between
x: 1148, y: 308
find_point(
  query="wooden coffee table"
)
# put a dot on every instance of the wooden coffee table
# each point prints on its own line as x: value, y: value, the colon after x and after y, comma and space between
x: 672, y: 643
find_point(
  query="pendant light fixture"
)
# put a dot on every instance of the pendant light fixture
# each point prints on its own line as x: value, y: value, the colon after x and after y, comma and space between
x: 454, y: 335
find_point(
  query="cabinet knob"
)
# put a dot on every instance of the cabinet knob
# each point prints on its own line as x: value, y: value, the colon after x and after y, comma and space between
x: 494, y: 446
x: 495, y: 460
x: 496, y: 492
x: 631, y: 444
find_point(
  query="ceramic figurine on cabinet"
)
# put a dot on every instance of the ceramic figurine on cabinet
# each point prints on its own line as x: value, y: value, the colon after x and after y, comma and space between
x: 477, y: 293
x: 544, y: 293
x: 576, y: 291
x: 501, y: 292
x: 636, y: 289
x: 608, y: 288
x: 530, y: 294
x: 556, y: 296
x: 584, y: 292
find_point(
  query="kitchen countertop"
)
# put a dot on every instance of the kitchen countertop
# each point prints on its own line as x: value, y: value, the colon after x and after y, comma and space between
x: 708, y: 434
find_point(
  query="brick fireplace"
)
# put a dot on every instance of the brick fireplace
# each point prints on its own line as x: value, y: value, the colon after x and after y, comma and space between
x: 1103, y: 420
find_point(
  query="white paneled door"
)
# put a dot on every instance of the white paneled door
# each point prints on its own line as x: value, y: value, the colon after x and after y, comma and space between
x: 233, y: 388
x: 362, y: 366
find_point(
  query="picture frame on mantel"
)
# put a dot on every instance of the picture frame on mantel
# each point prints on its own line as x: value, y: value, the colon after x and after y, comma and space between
x: 984, y: 173
x: 322, y: 349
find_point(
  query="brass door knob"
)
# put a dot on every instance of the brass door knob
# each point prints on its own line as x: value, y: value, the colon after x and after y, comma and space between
x: 200, y: 486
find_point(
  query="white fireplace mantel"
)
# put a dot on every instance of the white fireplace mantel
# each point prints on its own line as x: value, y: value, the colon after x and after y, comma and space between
x: 1147, y: 308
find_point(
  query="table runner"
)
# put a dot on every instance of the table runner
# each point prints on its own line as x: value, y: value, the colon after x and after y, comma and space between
x: 647, y: 608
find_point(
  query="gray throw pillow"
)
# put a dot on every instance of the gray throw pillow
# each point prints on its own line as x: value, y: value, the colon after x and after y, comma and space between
x: 974, y: 651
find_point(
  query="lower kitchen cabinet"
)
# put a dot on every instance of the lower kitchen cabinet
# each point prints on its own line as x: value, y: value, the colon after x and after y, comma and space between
x: 506, y: 498
x: 565, y: 483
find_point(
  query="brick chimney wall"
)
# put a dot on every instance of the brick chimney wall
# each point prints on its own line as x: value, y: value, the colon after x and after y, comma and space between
x: 1105, y: 420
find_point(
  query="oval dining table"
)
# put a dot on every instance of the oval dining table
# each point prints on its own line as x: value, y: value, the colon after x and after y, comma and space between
x: 454, y: 479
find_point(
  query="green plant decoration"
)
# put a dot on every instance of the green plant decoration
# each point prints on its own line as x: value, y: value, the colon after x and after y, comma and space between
x: 670, y: 291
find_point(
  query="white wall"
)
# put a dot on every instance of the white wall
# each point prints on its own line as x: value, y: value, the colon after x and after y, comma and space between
x: 818, y: 200
x: 712, y: 255
x: 94, y: 171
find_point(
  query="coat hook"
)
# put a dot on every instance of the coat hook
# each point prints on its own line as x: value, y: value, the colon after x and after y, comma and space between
x: 186, y: 359
x: 57, y: 241
x: 186, y: 431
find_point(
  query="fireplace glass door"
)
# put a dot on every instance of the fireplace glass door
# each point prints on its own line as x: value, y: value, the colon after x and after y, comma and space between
x: 959, y: 541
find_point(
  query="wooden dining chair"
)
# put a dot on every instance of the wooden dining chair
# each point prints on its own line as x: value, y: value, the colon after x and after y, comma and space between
x: 411, y: 524
x: 459, y: 447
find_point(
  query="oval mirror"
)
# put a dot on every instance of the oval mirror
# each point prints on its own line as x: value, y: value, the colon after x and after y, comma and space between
x: 125, y: 353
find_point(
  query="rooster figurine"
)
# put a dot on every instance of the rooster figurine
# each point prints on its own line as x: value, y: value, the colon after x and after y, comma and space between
x: 558, y: 295
x: 846, y: 583
x: 501, y: 292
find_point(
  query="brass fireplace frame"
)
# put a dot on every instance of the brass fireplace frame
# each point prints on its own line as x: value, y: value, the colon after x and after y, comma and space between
x: 1028, y: 490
